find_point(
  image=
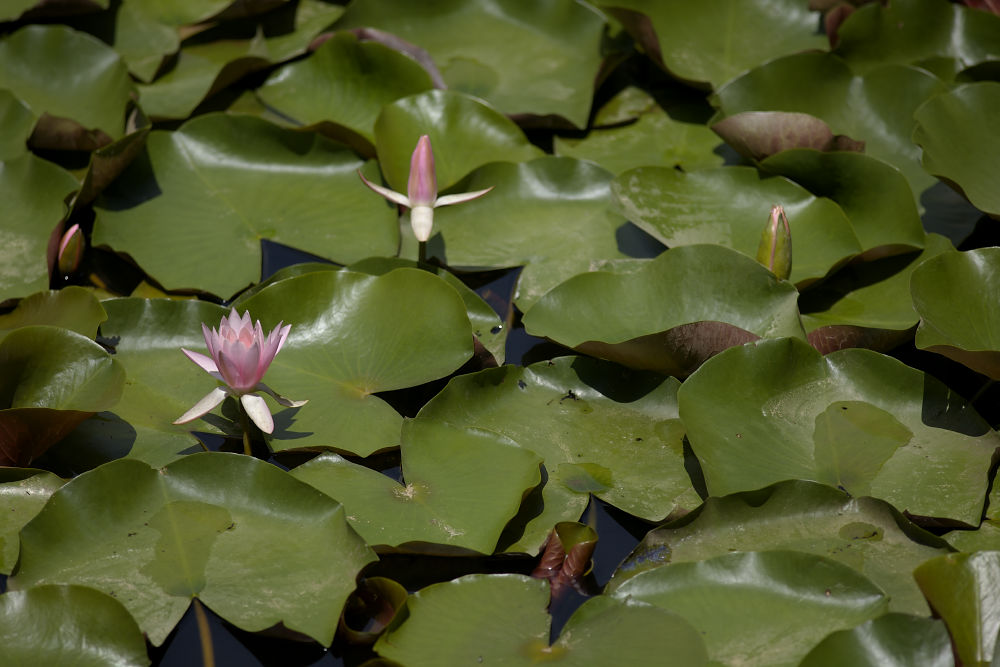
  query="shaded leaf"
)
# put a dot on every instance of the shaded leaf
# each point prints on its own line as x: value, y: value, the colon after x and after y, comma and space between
x: 72, y: 307
x: 18, y: 121
x: 893, y: 640
x: 759, y: 134
x: 24, y: 492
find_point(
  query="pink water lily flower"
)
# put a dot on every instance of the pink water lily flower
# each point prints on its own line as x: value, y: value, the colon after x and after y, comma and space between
x: 421, y: 191
x: 240, y: 356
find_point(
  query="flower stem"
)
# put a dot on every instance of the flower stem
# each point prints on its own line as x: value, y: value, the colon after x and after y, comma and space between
x: 422, y: 252
x: 247, y: 426
x: 205, y: 635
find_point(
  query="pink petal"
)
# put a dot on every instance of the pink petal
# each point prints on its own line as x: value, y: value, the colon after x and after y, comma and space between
x: 391, y: 195
x: 258, y: 411
x: 422, y: 185
x: 240, y: 366
x: 204, y: 406
x: 459, y: 198
x: 206, y: 363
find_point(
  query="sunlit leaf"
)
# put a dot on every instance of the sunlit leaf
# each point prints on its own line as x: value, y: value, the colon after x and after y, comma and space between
x: 73, y: 308
x: 24, y: 492
x: 893, y: 640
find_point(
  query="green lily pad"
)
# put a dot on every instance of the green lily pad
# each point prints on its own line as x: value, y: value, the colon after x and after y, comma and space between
x: 193, y: 215
x: 460, y: 488
x: 711, y: 42
x: 465, y: 133
x: 873, y: 194
x: 18, y: 121
x: 68, y: 625
x: 964, y: 590
x: 583, y: 417
x: 893, y: 640
x: 206, y: 66
x: 52, y: 379
x: 959, y: 139
x: 34, y: 193
x: 501, y: 619
x: 540, y: 276
x: 73, y: 308
x: 211, y: 526
x: 67, y: 74
x: 638, y: 318
x: 142, y: 38
x: 968, y: 329
x: 25, y: 492
x: 539, y: 59
x: 912, y: 31
x: 548, y: 207
x: 353, y: 335
x: 875, y: 107
x: 682, y: 209
x: 863, y: 533
x: 344, y: 82
x: 760, y: 607
x: 653, y: 140
x: 854, y: 419
x: 984, y: 538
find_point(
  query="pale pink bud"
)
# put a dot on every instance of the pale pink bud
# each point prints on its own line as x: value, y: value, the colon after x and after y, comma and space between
x: 421, y: 189
x: 70, y: 250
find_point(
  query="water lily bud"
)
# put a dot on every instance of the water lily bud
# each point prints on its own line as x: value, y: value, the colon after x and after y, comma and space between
x: 70, y: 250
x: 421, y: 189
x: 775, y: 249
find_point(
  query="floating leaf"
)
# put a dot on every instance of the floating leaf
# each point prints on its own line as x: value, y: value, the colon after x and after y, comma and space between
x: 72, y: 307
x: 18, y: 121
x: 864, y: 533
x: 68, y: 625
x: 371, y: 608
x: 24, y: 492
x: 501, y: 619
x: 638, y: 318
x: 711, y: 42
x: 345, y: 82
x: 842, y: 419
x: 194, y: 214
x: 581, y: 416
x: 893, y: 640
x: 464, y: 132
x: 964, y: 590
x: 460, y: 488
x: 209, y: 526
x: 968, y: 329
x: 539, y: 59
x: 682, y: 209
x: 759, y: 134
x: 760, y: 607
x: 959, y: 139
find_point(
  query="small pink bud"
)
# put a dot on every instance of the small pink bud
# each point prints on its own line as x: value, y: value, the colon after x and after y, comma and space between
x: 421, y: 189
x: 775, y: 249
x: 70, y: 250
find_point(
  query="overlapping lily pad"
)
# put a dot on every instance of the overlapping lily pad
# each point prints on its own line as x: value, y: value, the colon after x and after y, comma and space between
x: 68, y: 625
x: 968, y: 330
x: 711, y: 42
x: 18, y: 121
x: 73, y: 308
x: 959, y: 140
x: 760, y: 607
x: 875, y: 107
x: 209, y: 526
x: 459, y: 489
x: 501, y: 619
x: 24, y: 492
x: 538, y: 59
x: 685, y: 208
x: 588, y: 420
x: 854, y: 419
x: 864, y: 533
x: 893, y: 640
x: 639, y: 318
x: 194, y: 214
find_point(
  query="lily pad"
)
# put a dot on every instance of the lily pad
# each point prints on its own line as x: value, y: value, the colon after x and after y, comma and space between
x: 966, y: 330
x: 52, y: 379
x: 893, y: 640
x: 24, y: 492
x: 68, y: 625
x: 585, y: 418
x: 460, y: 488
x: 964, y: 590
x: 547, y: 207
x: 18, y: 121
x: 959, y: 138
x: 864, y: 533
x: 760, y: 607
x: 34, y: 193
x: 711, y: 42
x: 71, y: 75
x: 465, y: 133
x: 758, y: 134
x: 538, y: 59
x: 73, y: 308
x: 501, y: 619
x: 875, y: 107
x: 344, y: 82
x: 211, y: 526
x: 194, y: 213
x: 653, y: 140
x: 682, y: 209
x: 143, y: 38
x: 854, y: 419
x: 638, y: 318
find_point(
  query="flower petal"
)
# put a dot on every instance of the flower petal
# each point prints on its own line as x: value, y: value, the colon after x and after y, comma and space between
x: 258, y: 411
x: 204, y: 406
x: 391, y: 195
x: 287, y: 402
x: 421, y: 189
x: 461, y: 197
x: 206, y: 363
